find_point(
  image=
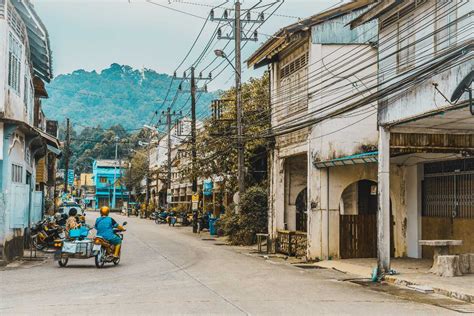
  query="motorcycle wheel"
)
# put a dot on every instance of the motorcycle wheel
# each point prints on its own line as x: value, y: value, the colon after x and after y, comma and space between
x: 157, y: 221
x: 63, y: 262
x: 100, y: 258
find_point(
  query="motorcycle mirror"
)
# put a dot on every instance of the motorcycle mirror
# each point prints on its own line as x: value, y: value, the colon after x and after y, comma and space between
x: 124, y: 223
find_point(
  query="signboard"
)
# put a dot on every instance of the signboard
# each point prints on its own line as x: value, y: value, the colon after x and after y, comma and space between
x: 169, y: 198
x: 195, y: 202
x: 195, y: 198
x: 70, y: 177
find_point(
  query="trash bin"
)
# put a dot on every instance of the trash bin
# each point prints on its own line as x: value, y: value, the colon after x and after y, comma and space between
x: 212, y: 226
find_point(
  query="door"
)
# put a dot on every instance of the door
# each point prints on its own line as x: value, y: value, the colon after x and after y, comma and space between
x: 358, y: 232
x: 302, y: 211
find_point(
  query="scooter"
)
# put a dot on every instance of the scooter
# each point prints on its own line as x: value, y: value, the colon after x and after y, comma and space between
x: 45, y: 233
x: 161, y: 217
x: 104, y: 250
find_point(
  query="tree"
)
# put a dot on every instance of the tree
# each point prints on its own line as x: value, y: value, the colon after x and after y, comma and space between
x: 216, y: 142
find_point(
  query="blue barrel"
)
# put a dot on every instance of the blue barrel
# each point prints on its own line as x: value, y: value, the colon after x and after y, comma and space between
x: 212, y: 226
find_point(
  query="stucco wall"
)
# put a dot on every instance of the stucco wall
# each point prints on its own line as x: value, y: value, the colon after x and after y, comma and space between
x: 339, y: 179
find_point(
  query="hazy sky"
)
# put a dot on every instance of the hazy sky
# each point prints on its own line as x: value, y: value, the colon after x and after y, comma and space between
x: 92, y: 34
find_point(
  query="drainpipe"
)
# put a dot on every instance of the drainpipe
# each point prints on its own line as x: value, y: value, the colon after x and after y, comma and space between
x: 327, y: 219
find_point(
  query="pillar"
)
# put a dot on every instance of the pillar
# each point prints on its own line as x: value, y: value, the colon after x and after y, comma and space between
x: 383, y: 213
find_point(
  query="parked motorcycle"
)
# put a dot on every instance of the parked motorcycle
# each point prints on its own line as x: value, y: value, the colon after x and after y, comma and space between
x: 45, y: 233
x: 161, y: 217
x: 104, y: 250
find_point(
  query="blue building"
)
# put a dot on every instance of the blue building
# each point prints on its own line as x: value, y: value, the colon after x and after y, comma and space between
x: 103, y: 173
x: 27, y: 151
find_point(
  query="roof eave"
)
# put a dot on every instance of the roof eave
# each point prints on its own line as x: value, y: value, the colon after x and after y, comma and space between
x: 374, y: 12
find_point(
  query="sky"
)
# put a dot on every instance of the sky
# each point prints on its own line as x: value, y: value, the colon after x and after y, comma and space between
x: 92, y: 34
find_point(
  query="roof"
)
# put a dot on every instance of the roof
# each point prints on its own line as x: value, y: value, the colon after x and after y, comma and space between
x: 281, y: 39
x: 109, y: 163
x: 38, y: 39
x: 373, y: 13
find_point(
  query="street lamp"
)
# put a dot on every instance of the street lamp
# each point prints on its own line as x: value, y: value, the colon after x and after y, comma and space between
x: 222, y: 54
x: 238, y: 107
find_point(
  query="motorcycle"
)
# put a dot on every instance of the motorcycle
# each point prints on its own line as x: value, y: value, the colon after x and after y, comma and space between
x: 161, y: 218
x: 104, y: 250
x: 45, y: 233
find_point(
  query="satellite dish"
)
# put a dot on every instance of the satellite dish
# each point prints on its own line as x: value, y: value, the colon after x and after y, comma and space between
x: 463, y: 86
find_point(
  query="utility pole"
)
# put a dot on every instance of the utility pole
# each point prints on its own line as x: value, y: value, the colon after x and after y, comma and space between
x: 115, y: 172
x: 237, y: 37
x: 193, y: 130
x: 168, y: 178
x: 66, y: 158
x: 238, y: 100
x: 147, y: 176
x: 193, y: 91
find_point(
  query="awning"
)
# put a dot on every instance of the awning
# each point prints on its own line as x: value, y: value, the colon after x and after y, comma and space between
x: 368, y: 157
x: 54, y: 150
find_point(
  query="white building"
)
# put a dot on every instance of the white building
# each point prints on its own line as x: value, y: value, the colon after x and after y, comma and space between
x: 26, y: 63
x: 426, y: 120
x: 314, y: 75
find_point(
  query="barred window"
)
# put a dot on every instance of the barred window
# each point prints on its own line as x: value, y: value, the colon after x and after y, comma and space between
x: 14, y: 63
x: 17, y: 173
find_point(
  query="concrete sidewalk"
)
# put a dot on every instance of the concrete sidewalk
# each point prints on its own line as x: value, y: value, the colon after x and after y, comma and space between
x: 412, y: 272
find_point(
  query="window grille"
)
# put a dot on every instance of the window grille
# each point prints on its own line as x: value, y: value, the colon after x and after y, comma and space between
x: 17, y: 173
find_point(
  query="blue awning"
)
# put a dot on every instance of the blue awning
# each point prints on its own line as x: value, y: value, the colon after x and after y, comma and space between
x: 368, y: 157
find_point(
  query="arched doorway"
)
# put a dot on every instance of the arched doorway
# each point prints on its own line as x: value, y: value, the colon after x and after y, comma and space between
x: 302, y: 211
x: 358, y: 220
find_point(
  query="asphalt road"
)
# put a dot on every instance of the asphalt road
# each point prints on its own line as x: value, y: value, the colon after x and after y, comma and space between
x: 169, y: 271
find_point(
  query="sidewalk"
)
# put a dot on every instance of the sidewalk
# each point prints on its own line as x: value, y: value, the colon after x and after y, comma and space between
x: 412, y: 272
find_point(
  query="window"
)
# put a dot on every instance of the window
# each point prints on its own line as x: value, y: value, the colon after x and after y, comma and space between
x: 17, y: 173
x: 14, y: 63
x: 446, y: 28
x: 406, y: 44
x: 294, y: 85
x: 103, y: 180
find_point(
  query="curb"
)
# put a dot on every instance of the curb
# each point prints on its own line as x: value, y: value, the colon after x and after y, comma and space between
x: 457, y: 295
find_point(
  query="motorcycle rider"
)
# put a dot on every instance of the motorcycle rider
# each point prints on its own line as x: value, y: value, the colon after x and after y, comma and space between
x: 105, y: 228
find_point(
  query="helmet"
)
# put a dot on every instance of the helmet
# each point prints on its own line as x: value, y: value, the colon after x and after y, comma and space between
x: 72, y: 212
x: 104, y: 211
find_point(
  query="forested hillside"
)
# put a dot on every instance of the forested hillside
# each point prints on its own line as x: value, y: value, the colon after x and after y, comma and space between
x: 116, y: 95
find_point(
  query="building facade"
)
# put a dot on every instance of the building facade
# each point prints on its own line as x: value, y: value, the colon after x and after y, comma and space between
x: 27, y: 151
x: 104, y: 173
x: 426, y: 121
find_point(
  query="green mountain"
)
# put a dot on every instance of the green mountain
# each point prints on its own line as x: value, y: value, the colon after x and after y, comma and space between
x: 117, y: 95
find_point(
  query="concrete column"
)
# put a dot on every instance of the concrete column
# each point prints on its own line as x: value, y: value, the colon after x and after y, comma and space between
x: 383, y: 214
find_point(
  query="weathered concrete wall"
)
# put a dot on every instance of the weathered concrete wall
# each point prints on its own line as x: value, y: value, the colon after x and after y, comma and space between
x: 447, y: 228
x: 422, y: 98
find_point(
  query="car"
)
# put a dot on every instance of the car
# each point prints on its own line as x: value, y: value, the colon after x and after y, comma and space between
x: 67, y: 206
